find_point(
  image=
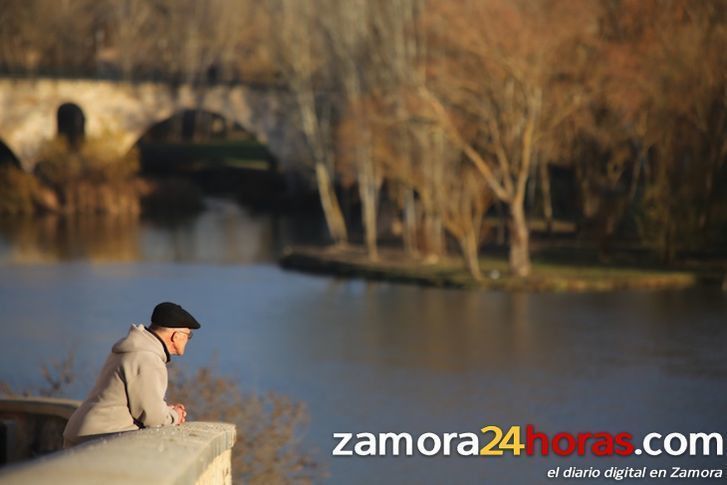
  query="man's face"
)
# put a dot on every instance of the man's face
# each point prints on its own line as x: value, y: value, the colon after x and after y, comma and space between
x: 179, y: 339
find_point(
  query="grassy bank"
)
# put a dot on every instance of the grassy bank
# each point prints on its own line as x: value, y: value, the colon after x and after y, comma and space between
x: 547, y: 275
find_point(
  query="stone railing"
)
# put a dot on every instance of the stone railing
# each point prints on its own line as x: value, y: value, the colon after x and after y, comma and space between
x: 194, y: 453
x: 32, y: 427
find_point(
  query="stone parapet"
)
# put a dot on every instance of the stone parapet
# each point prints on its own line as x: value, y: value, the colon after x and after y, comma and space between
x: 193, y: 453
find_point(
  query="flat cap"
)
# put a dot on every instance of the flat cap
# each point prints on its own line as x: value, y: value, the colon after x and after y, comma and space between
x: 171, y: 315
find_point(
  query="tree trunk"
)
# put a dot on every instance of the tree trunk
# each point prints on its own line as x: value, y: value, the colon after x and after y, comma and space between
x: 434, y: 237
x: 331, y: 208
x: 368, y: 192
x: 410, y: 223
x: 501, y: 224
x: 547, y: 202
x: 519, y: 241
x: 470, y: 252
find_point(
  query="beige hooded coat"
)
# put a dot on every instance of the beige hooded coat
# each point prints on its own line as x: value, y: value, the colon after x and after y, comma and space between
x: 129, y: 392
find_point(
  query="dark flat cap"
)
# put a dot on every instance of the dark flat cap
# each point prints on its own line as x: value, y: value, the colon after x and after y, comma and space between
x: 171, y: 315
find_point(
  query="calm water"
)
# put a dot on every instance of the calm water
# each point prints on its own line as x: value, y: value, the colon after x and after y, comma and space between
x: 370, y: 357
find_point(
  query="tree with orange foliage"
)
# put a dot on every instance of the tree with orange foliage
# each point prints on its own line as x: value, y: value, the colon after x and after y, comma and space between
x: 665, y: 75
x: 502, y: 81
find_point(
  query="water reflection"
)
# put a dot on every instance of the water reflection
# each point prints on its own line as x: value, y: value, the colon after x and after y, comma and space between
x: 52, y: 238
x: 454, y: 332
x: 225, y: 233
x: 442, y: 330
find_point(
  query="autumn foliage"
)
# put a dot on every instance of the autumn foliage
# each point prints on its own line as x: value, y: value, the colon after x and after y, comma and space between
x: 408, y: 101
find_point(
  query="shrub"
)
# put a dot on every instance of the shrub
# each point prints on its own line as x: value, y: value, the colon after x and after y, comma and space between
x: 17, y: 190
x: 268, y: 426
x: 97, y: 161
x: 95, y: 178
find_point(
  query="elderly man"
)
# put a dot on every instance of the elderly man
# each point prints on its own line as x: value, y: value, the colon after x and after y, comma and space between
x: 129, y: 392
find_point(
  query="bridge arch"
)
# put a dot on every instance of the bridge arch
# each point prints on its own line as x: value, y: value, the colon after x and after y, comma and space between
x: 188, y: 137
x: 195, y: 124
x: 129, y: 110
x: 232, y: 103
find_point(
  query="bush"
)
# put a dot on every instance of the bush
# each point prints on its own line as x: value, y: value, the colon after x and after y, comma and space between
x: 94, y: 178
x: 267, y: 448
x: 96, y: 161
x: 21, y: 193
x: 16, y: 191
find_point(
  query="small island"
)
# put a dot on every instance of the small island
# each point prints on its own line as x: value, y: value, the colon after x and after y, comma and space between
x: 549, y: 273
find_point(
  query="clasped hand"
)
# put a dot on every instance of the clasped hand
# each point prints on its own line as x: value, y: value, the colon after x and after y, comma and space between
x: 181, y: 412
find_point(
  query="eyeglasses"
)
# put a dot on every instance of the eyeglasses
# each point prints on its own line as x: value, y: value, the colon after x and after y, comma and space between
x: 189, y: 335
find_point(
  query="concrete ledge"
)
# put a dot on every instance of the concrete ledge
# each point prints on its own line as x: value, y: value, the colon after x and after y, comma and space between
x: 191, y: 453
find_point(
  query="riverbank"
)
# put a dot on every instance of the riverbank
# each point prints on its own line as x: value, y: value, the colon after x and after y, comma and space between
x: 547, y: 274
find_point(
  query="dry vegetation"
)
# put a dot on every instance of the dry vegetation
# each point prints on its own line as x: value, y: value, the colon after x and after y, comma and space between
x: 408, y: 100
x: 20, y: 192
x: 90, y: 178
x: 269, y: 426
x: 93, y: 178
x: 268, y: 450
x: 420, y: 96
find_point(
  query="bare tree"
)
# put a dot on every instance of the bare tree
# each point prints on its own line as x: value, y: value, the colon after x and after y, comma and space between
x: 348, y: 29
x: 464, y: 211
x: 399, y: 53
x: 500, y: 86
x: 304, y: 64
x: 134, y: 24
x: 47, y: 34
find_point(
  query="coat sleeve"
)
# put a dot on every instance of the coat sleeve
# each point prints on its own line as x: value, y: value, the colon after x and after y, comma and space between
x: 146, y: 384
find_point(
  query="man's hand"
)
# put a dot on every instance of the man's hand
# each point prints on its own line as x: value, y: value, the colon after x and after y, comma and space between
x: 179, y: 408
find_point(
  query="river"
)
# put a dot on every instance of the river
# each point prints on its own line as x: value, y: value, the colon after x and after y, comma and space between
x: 370, y: 357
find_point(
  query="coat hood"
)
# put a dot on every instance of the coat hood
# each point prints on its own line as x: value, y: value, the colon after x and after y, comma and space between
x: 140, y: 339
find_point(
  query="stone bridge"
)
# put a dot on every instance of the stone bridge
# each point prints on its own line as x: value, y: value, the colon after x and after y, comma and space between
x: 28, y: 110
